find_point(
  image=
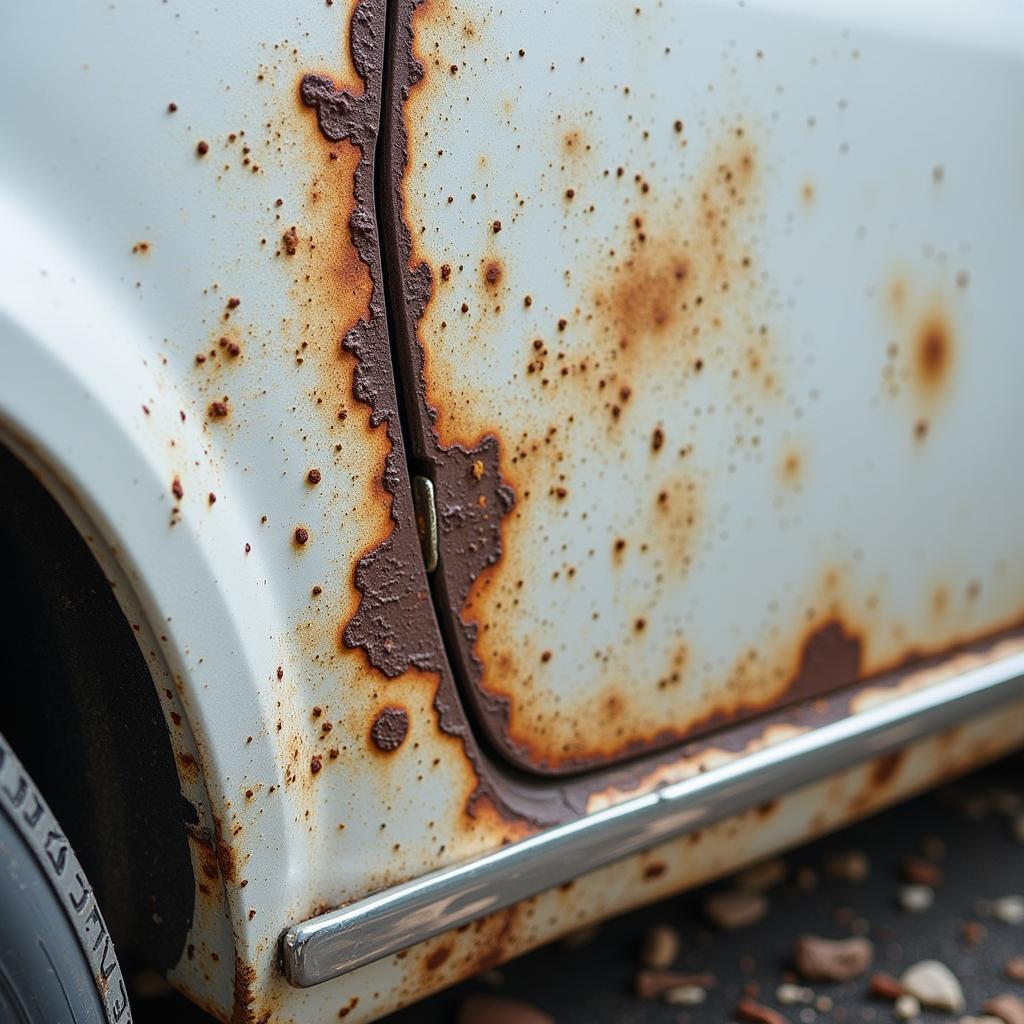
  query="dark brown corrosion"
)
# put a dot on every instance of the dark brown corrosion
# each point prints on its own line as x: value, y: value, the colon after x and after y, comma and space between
x: 390, y: 728
x: 472, y: 499
x: 395, y: 623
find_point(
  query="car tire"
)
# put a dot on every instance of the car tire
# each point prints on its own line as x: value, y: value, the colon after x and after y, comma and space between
x: 57, y: 961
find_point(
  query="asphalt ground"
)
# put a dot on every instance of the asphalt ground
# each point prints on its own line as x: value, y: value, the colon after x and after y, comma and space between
x: 966, y: 840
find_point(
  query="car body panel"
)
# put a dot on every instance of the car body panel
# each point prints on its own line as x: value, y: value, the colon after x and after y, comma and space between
x: 128, y: 242
x: 721, y: 286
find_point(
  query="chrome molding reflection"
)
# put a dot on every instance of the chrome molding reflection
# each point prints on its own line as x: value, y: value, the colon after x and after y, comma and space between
x: 386, y: 922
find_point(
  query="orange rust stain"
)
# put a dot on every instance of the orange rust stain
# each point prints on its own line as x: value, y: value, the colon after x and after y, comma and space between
x: 244, y: 995
x: 207, y: 865
x: 189, y: 768
x: 670, y: 284
x: 808, y: 194
x: 933, y: 353
x: 225, y: 854
x: 922, y: 362
x: 574, y: 144
x: 791, y: 468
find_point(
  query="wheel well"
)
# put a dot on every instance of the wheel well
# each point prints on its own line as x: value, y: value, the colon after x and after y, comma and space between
x: 80, y: 710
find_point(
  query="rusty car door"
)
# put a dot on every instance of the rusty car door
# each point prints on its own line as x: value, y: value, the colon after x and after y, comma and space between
x: 715, y: 391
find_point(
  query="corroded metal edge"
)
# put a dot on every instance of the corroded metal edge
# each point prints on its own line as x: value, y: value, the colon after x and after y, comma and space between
x: 387, y: 922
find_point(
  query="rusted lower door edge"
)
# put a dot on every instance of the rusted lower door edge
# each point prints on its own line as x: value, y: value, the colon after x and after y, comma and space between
x: 387, y: 922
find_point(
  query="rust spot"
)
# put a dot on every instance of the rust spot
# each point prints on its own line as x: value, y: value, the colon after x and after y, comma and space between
x: 301, y: 535
x: 313, y: 476
x: 884, y: 768
x: 202, y: 147
x: 243, y: 991
x: 933, y: 352
x: 225, y: 856
x: 390, y: 728
x: 791, y: 468
x: 492, y: 273
x: 176, y: 489
x: 219, y: 410
x: 290, y: 241
x: 189, y: 768
x: 831, y: 657
x: 655, y: 870
x: 436, y: 958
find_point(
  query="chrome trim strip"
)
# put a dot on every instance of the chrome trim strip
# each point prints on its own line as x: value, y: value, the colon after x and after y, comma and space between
x: 389, y: 921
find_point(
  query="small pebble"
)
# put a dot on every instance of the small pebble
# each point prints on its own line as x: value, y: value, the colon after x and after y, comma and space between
x: 934, y: 984
x: 486, y: 1009
x: 1008, y: 909
x: 749, y: 1010
x: 919, y: 871
x: 735, y: 909
x: 907, y: 1008
x: 652, y: 984
x: 848, y: 866
x: 1014, y: 968
x: 885, y: 986
x: 661, y: 946
x: 916, y: 898
x: 789, y: 994
x: 1006, y: 1007
x: 685, y: 995
x: 828, y: 960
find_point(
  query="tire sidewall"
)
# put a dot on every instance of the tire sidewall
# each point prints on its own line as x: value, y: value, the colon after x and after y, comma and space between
x: 65, y: 908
